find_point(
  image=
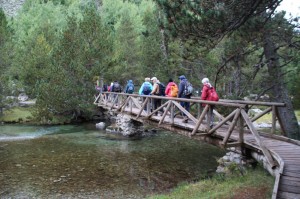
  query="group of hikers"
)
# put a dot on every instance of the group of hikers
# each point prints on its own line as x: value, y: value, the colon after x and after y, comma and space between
x: 183, y: 90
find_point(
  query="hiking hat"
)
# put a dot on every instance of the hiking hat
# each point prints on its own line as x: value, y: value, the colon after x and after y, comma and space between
x: 181, y: 77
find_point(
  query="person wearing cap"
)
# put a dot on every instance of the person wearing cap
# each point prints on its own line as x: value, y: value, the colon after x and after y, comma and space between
x: 155, y: 91
x: 186, y: 105
x: 205, y: 95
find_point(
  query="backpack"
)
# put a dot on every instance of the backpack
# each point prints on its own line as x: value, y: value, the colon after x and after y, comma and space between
x: 116, y: 87
x: 188, y: 89
x: 213, y: 94
x: 146, y: 89
x: 130, y: 89
x: 105, y: 88
x: 161, y: 89
x: 174, y: 91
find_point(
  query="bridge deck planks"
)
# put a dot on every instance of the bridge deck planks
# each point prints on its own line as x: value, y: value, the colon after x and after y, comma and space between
x: 289, y: 185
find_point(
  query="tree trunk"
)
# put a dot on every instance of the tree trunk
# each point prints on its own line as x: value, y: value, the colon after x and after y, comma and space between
x: 164, y: 46
x: 279, y: 92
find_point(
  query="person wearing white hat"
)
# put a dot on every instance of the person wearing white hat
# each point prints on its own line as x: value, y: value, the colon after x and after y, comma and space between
x: 155, y: 91
x: 205, y: 95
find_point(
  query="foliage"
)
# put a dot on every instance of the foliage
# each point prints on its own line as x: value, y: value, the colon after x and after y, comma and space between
x: 60, y: 45
x: 83, y: 51
x: 17, y: 114
x: 207, y: 21
x: 5, y: 35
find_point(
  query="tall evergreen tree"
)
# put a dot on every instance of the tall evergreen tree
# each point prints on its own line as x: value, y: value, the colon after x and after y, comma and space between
x: 4, y: 63
x: 207, y: 22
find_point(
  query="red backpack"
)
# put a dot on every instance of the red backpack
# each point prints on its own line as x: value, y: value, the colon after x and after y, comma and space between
x: 213, y: 94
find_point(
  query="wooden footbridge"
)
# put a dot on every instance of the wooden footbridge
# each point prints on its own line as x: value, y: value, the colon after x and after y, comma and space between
x: 236, y: 129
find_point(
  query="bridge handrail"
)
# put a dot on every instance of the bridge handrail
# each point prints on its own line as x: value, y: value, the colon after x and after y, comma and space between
x: 253, y: 102
x: 195, y: 100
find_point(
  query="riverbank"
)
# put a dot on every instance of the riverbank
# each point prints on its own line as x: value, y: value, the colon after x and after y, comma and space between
x: 254, y: 183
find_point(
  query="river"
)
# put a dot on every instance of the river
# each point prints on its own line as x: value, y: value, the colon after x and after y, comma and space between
x: 79, y: 161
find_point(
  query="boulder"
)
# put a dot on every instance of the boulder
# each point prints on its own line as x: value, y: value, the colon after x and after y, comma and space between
x: 100, y: 125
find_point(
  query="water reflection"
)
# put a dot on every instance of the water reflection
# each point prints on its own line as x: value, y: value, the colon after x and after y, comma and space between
x: 82, y: 162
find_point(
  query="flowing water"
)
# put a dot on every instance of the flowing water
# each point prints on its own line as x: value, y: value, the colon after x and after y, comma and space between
x: 82, y: 162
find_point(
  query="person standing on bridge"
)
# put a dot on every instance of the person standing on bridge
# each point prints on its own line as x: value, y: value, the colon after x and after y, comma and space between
x: 129, y: 87
x: 155, y: 91
x: 116, y: 87
x: 171, y: 89
x: 146, y: 89
x: 209, y: 93
x: 181, y: 94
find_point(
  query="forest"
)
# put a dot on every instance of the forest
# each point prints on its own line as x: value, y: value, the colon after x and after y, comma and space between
x: 55, y: 50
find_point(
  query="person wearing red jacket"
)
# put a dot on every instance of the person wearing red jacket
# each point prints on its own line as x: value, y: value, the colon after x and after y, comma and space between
x: 206, y: 95
x: 168, y: 88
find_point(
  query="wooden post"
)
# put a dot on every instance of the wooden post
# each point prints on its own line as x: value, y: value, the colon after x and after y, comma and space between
x: 208, y: 119
x: 241, y: 130
x: 149, y: 105
x: 130, y: 104
x: 225, y: 120
x: 142, y: 108
x: 231, y: 127
x: 165, y: 113
x: 198, y: 110
x: 172, y: 113
x: 200, y: 120
x: 273, y: 120
x: 258, y: 140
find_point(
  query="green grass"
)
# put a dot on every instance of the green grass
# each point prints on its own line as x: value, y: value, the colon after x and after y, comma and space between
x: 17, y: 114
x: 254, y: 184
x: 267, y: 118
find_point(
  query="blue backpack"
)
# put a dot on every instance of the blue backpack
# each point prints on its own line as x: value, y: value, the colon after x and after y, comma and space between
x: 130, y: 89
x: 146, y: 89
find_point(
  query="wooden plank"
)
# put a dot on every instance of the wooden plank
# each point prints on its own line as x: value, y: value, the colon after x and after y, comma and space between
x: 142, y: 108
x: 233, y: 123
x: 289, y: 188
x: 165, y: 113
x: 292, y: 174
x: 136, y: 103
x: 291, y: 178
x: 123, y: 106
x: 200, y: 120
x: 291, y: 162
x: 288, y: 195
x: 290, y: 182
x: 292, y: 169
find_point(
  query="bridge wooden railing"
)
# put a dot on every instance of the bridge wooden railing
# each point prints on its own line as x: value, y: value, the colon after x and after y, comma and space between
x: 237, y: 118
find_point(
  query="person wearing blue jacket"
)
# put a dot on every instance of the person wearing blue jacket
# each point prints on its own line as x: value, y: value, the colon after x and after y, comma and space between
x: 146, y: 87
x: 129, y: 87
x: 181, y: 94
